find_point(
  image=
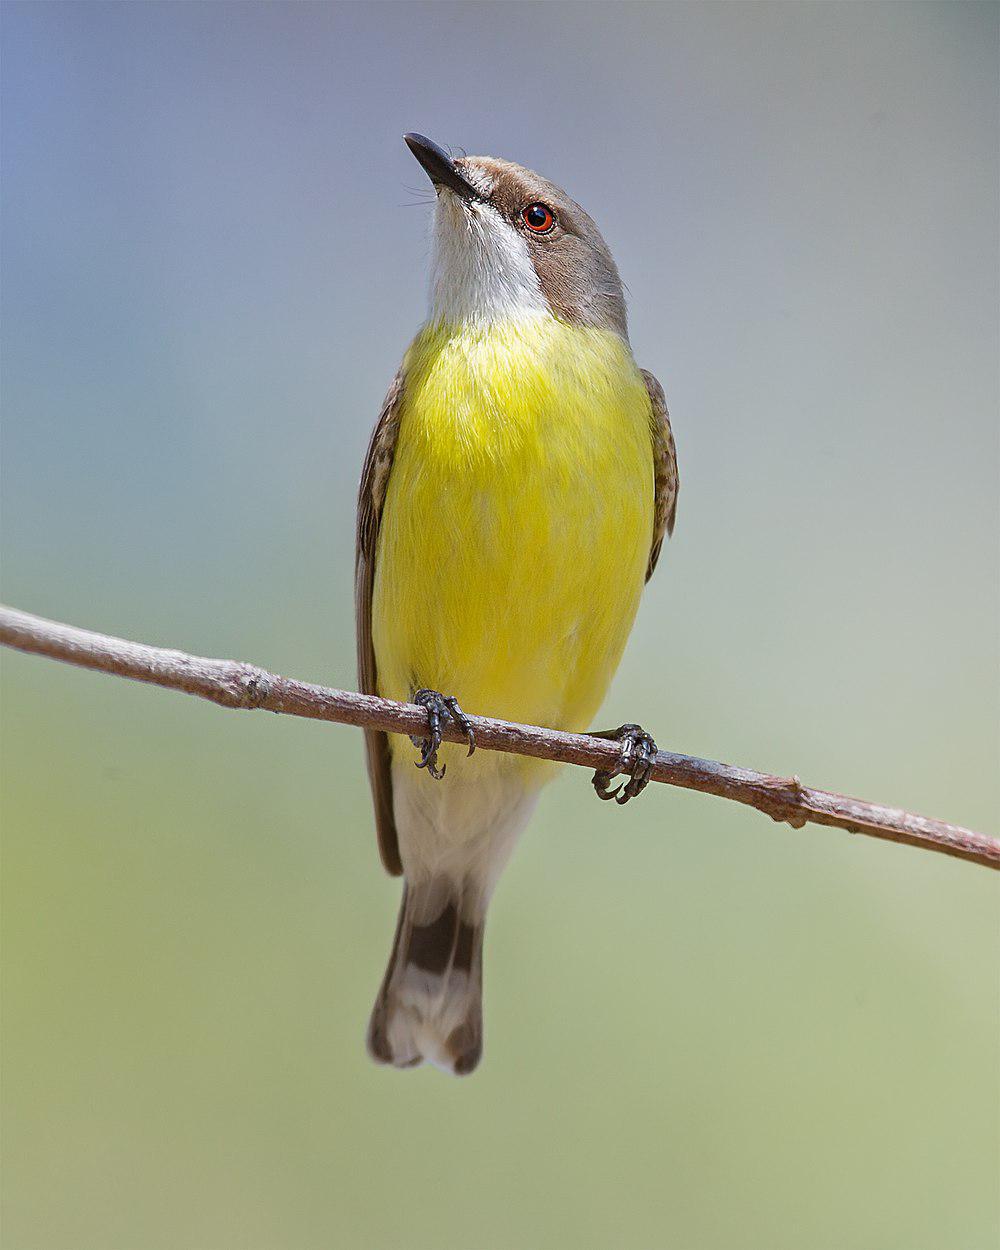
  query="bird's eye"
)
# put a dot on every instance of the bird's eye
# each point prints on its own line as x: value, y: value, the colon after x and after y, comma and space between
x: 538, y: 218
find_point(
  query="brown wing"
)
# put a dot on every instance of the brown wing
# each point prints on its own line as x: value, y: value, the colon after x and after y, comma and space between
x: 665, y: 480
x: 371, y: 497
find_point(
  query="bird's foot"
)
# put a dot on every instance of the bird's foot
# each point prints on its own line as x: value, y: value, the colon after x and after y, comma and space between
x: 638, y: 755
x: 440, y: 709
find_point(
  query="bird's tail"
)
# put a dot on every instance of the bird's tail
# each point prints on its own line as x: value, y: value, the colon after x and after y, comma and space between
x: 430, y: 1005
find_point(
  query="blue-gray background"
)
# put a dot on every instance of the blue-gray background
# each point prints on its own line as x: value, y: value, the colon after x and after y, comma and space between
x: 704, y: 1030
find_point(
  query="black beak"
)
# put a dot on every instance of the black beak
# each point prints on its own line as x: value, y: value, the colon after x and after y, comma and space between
x: 440, y: 168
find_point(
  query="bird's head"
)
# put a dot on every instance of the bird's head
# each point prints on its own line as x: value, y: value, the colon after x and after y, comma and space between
x: 509, y: 243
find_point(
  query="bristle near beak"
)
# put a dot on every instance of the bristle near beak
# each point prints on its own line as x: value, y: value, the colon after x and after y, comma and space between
x: 440, y: 168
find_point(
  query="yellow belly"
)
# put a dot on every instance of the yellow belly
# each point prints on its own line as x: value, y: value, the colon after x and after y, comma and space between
x: 517, y: 522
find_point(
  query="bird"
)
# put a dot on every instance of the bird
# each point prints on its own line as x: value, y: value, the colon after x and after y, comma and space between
x: 518, y: 486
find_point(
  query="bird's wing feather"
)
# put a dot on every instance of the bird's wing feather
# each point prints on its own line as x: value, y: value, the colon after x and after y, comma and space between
x: 371, y: 498
x: 665, y: 479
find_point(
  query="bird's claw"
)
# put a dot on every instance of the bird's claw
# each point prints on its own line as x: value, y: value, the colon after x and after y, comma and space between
x: 440, y: 708
x: 638, y: 755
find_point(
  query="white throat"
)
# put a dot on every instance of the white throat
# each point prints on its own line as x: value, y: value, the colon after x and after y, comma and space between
x: 481, y: 269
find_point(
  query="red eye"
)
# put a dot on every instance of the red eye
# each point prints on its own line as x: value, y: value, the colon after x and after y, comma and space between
x: 538, y: 217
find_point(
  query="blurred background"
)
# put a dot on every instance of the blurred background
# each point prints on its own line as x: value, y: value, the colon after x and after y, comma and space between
x: 704, y: 1030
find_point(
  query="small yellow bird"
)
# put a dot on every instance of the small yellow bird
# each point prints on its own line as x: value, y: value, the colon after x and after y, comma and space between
x: 516, y: 492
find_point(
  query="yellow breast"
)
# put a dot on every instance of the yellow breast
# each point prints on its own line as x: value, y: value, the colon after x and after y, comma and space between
x: 517, y: 521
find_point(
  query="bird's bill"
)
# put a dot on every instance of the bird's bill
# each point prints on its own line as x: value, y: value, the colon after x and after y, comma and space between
x: 440, y: 168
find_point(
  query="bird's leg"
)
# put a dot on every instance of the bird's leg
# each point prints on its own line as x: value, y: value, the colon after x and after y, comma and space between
x: 638, y: 755
x: 440, y: 708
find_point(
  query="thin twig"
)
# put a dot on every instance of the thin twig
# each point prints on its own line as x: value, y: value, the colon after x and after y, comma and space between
x: 234, y: 684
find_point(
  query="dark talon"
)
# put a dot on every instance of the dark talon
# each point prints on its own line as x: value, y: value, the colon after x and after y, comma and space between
x: 462, y: 721
x: 638, y: 755
x: 440, y: 708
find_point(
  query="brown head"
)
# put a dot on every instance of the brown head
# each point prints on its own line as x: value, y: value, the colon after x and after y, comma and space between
x: 511, y: 243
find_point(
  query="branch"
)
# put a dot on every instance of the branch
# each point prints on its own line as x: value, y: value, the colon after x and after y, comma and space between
x: 234, y: 684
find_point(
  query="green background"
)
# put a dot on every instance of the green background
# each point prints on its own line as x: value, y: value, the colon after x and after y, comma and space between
x: 703, y: 1029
